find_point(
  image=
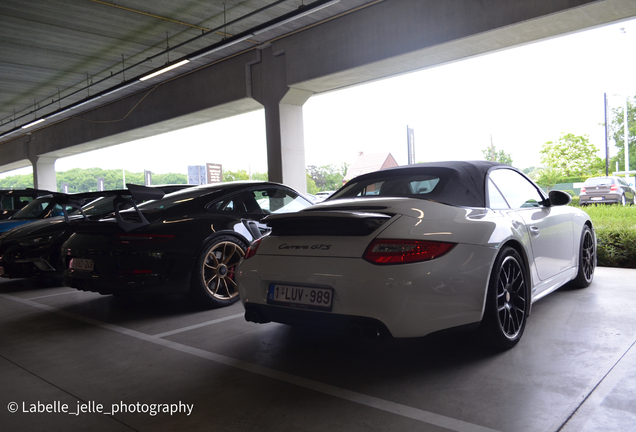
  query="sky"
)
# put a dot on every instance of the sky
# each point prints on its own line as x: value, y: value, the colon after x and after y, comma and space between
x: 518, y: 99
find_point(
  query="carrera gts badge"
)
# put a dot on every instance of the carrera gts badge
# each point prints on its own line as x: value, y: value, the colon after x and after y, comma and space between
x: 305, y: 247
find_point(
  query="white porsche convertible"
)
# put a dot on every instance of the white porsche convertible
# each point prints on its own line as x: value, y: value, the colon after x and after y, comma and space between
x: 413, y: 250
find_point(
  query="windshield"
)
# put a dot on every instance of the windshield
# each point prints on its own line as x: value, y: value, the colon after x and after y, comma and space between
x: 41, y: 208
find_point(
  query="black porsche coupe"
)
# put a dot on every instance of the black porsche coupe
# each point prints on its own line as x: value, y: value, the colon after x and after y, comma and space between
x: 187, y: 242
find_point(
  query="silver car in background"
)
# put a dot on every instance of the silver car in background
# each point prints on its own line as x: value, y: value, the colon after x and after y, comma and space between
x: 607, y: 190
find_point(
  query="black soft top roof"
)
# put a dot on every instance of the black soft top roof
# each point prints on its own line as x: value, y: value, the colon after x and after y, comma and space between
x: 462, y: 183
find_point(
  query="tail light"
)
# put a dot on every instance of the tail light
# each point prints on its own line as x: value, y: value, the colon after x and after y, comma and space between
x: 251, y: 251
x: 614, y: 187
x: 583, y: 189
x: 136, y: 272
x: 405, y: 251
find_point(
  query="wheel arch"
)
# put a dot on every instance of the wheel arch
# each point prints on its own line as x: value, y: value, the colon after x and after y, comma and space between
x: 230, y: 233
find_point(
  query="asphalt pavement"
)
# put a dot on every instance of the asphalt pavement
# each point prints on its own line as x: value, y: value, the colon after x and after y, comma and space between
x: 72, y: 360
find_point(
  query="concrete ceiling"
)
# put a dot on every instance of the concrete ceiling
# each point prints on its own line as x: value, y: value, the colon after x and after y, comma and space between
x: 58, y: 55
x: 55, y: 54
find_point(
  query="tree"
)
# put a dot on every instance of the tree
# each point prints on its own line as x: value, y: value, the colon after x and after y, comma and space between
x: 616, y: 131
x: 311, y: 185
x: 229, y: 176
x: 493, y: 155
x: 572, y: 156
x: 260, y: 176
x: 532, y: 172
x: 327, y: 177
x: 21, y: 181
x: 548, y: 177
x: 85, y: 180
x: 170, y: 178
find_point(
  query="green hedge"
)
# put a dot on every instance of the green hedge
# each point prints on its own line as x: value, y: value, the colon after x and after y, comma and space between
x: 615, y: 228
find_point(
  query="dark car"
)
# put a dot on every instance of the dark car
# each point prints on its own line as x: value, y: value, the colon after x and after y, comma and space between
x: 188, y: 242
x: 33, y: 249
x: 44, y: 207
x: 15, y: 199
x: 607, y: 190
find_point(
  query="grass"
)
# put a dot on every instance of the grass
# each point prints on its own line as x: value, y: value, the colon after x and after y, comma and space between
x: 615, y: 228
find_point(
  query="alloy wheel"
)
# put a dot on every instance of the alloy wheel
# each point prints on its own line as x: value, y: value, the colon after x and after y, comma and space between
x: 511, y: 297
x: 588, y: 256
x: 219, y: 267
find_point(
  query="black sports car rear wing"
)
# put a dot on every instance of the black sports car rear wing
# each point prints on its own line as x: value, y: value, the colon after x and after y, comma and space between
x: 137, y: 194
x: 123, y: 198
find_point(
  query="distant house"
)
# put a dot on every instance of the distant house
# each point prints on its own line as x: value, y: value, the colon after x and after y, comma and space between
x: 366, y: 163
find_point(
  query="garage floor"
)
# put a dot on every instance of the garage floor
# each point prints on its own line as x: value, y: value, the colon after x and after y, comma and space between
x: 104, y: 364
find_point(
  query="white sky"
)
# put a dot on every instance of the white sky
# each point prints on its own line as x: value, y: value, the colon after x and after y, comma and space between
x: 522, y: 97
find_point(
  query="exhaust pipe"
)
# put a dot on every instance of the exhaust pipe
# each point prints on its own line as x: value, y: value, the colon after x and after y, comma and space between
x: 255, y: 317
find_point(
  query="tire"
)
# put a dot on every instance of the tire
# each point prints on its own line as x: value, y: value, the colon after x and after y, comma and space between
x: 587, y: 260
x: 623, y: 200
x: 213, y: 282
x: 507, y: 302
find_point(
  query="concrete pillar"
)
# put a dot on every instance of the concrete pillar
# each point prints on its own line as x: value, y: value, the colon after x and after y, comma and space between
x: 283, y: 119
x: 43, y: 169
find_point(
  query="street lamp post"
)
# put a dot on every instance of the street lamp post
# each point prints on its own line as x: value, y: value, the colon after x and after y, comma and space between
x: 626, y: 136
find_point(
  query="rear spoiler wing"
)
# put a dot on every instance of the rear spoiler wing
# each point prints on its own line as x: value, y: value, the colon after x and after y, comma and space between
x: 138, y: 194
x: 132, y: 195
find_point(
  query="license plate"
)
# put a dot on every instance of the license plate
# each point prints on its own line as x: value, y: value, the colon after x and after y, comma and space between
x: 81, y: 264
x: 300, y: 297
x: 597, y: 198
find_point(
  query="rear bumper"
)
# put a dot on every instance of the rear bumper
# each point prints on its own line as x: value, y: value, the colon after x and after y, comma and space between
x: 160, y: 277
x: 356, y: 325
x: 606, y: 199
x: 408, y: 300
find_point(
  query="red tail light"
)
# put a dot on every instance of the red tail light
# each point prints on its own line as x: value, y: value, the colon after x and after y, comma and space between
x: 136, y: 272
x: 583, y: 189
x: 251, y: 251
x: 614, y: 187
x: 405, y: 251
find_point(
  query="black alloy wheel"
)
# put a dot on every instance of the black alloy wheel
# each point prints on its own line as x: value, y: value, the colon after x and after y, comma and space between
x: 508, y: 301
x: 213, y: 277
x: 587, y: 259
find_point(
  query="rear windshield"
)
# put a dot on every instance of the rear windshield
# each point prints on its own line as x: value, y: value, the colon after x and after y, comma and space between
x: 100, y: 206
x: 177, y: 198
x: 409, y: 186
x: 599, y: 181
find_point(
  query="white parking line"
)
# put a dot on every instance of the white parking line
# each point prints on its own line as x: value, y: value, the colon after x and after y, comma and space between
x: 53, y: 295
x: 370, y: 401
x: 196, y: 326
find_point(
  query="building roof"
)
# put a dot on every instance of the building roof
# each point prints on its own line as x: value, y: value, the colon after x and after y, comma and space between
x: 366, y: 163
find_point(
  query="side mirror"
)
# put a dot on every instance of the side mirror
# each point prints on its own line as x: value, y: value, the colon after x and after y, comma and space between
x: 557, y: 198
